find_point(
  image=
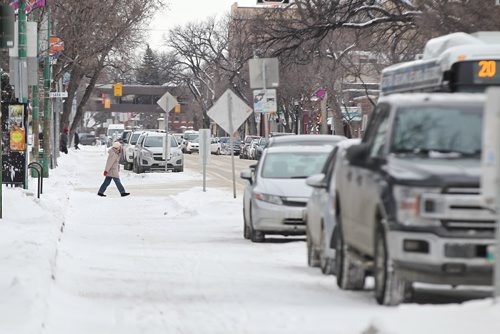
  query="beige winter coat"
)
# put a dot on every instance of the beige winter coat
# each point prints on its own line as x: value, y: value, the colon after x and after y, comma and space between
x: 113, y: 163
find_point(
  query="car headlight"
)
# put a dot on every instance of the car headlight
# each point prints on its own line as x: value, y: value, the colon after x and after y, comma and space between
x: 409, y: 205
x: 147, y: 154
x: 268, y: 198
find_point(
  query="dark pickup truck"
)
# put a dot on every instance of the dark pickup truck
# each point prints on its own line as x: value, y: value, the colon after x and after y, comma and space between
x: 408, y: 203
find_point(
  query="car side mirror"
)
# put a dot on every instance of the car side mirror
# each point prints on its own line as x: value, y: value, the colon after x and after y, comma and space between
x: 247, y: 174
x: 317, y: 181
x: 357, y: 155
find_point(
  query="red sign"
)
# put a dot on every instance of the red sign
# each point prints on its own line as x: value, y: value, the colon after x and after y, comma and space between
x: 56, y: 45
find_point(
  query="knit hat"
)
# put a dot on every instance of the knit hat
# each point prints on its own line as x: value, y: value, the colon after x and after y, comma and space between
x: 66, y: 130
x: 117, y: 144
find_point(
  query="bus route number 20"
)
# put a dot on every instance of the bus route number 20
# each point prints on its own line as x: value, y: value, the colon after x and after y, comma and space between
x: 488, y: 69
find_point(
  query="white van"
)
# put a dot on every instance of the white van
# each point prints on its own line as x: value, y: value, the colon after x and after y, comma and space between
x: 114, y: 132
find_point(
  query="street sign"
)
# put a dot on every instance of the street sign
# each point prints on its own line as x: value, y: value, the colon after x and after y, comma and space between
x: 118, y: 89
x: 58, y: 94
x: 264, y: 69
x: 264, y: 101
x: 167, y: 102
x: 229, y: 112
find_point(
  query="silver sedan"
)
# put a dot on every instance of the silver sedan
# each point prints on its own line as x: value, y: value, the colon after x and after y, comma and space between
x: 276, y: 195
x: 320, y: 210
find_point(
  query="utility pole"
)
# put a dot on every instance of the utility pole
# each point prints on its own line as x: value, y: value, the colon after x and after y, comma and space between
x: 47, y: 119
x: 22, y: 71
x: 36, y: 108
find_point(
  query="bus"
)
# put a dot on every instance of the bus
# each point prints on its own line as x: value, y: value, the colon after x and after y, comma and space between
x: 457, y: 62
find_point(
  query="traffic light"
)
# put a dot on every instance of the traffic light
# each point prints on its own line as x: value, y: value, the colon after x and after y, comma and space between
x: 178, y: 108
x: 118, y: 89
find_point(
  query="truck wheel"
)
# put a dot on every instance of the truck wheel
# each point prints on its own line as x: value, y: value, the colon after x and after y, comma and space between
x: 351, y: 275
x: 312, y: 254
x: 390, y: 289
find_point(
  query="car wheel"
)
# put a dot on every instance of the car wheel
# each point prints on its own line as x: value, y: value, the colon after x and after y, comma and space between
x: 312, y: 254
x: 246, y: 229
x: 350, y: 276
x: 326, y: 264
x: 218, y: 151
x: 255, y: 236
x: 390, y: 289
x: 134, y: 167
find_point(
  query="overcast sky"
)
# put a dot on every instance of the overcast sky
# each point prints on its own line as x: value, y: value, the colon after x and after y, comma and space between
x: 184, y: 11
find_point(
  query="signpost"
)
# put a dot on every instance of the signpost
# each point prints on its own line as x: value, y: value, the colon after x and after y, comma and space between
x: 204, y: 153
x: 167, y: 102
x: 264, y: 73
x: 230, y: 112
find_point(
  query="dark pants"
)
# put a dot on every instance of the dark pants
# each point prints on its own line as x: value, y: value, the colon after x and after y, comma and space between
x: 107, y: 181
x: 64, y: 149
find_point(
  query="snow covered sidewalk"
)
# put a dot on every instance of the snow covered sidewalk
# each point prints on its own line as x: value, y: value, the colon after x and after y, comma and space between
x: 73, y: 262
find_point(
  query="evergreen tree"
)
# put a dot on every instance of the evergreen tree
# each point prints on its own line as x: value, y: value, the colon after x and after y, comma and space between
x: 149, y: 70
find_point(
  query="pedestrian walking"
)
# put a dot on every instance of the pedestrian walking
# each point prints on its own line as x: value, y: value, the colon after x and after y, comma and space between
x: 76, y: 141
x: 112, y: 171
x: 63, y: 142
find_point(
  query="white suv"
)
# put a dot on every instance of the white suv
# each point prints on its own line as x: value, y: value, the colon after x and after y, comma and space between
x: 149, y: 153
x: 129, y: 149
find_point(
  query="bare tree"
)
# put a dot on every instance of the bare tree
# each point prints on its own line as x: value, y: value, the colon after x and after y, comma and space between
x: 92, y: 41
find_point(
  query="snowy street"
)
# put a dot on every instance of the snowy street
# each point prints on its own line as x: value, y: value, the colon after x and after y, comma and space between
x: 172, y: 259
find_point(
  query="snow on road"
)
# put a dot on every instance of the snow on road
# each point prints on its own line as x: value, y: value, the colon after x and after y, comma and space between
x: 73, y: 262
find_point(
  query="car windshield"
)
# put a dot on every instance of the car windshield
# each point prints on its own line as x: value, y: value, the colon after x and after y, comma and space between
x: 223, y: 140
x: 293, y: 165
x: 438, y: 131
x: 134, y: 138
x: 190, y: 136
x: 263, y: 141
x: 157, y: 141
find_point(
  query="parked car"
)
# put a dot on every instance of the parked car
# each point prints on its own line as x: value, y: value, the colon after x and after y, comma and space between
x: 215, y: 146
x: 409, y: 201
x: 320, y: 211
x: 244, y: 146
x: 226, y: 145
x: 128, y: 151
x: 149, y: 153
x: 87, y: 139
x: 276, y: 195
x: 188, y: 136
x: 261, y: 145
x: 193, y: 145
x: 252, y: 148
